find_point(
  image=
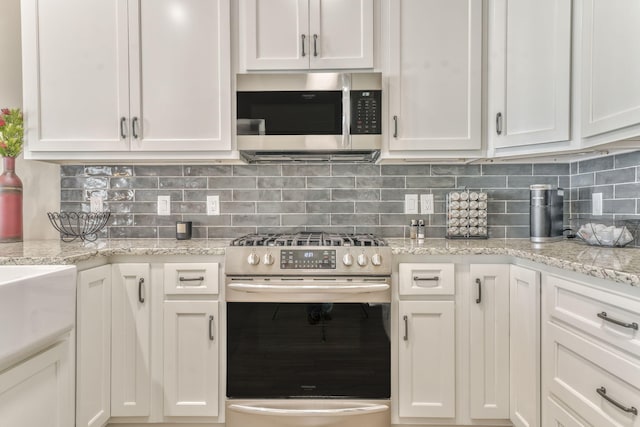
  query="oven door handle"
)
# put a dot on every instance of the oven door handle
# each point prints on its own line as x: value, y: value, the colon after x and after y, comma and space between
x: 262, y: 410
x: 331, y: 288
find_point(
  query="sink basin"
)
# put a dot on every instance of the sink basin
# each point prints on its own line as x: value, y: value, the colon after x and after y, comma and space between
x: 37, y: 306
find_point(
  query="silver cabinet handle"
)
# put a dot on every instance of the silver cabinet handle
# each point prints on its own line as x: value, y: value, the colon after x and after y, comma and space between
x: 426, y: 279
x: 211, y: 337
x: 499, y: 123
x: 395, y: 126
x: 141, y: 290
x: 479, y: 299
x: 123, y: 127
x: 134, y: 127
x: 191, y: 279
x: 406, y: 328
x: 315, y: 45
x: 303, y: 41
x: 603, y: 392
x: 603, y: 316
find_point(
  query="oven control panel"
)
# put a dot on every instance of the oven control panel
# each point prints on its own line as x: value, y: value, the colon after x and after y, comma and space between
x: 308, y: 259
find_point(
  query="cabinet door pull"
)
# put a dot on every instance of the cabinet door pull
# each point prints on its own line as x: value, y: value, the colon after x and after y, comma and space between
x: 141, y: 290
x: 603, y: 316
x: 123, y: 127
x: 426, y: 279
x: 603, y: 392
x: 406, y: 328
x: 303, y: 41
x: 395, y: 126
x: 211, y: 337
x: 479, y: 299
x: 315, y: 45
x: 134, y: 127
x: 499, y: 123
x: 191, y: 279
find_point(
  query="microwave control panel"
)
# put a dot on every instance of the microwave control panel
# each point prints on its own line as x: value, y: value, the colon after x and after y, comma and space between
x: 366, y: 108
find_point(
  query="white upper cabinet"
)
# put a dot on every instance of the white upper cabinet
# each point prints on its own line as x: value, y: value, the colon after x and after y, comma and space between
x: 125, y: 75
x: 529, y: 72
x: 434, y: 60
x: 303, y: 34
x: 610, y: 66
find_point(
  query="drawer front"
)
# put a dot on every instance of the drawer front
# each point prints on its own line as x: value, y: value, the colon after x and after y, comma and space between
x: 591, y: 380
x: 426, y: 279
x: 557, y: 416
x: 190, y: 278
x: 607, y: 316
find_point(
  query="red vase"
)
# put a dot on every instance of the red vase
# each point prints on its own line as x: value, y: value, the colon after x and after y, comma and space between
x: 10, y: 203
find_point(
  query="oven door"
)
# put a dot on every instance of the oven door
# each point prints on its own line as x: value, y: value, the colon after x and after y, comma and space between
x: 312, y: 349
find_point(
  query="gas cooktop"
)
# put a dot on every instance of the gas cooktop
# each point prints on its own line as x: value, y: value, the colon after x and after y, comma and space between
x: 309, y: 239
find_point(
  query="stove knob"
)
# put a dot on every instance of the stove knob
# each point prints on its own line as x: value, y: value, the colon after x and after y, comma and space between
x: 362, y: 260
x: 347, y: 259
x: 253, y: 259
x: 267, y: 259
x: 376, y: 259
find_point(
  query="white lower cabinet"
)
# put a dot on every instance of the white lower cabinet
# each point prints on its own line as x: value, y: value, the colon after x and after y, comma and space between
x: 191, y: 345
x: 557, y: 416
x: 524, y: 353
x: 130, y: 341
x: 426, y: 359
x: 489, y: 342
x: 39, y: 391
x: 93, y: 347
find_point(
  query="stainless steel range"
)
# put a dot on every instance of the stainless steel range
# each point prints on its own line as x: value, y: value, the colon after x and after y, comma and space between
x: 308, y: 330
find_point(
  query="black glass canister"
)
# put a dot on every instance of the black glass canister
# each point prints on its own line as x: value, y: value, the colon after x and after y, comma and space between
x: 183, y: 230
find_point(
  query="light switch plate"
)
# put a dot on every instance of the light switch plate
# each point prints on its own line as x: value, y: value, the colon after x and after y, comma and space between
x: 96, y: 203
x: 213, y: 205
x: 426, y: 203
x: 164, y: 205
x: 411, y: 203
x: 596, y: 204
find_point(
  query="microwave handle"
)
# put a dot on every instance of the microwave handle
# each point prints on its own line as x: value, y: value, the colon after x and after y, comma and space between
x: 346, y: 110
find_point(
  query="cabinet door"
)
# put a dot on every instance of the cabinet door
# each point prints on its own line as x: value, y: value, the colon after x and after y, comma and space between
x: 341, y: 34
x: 93, y: 347
x: 191, y: 358
x: 180, y: 85
x: 610, y: 66
x: 75, y: 75
x: 524, y: 325
x: 39, y: 391
x: 130, y: 340
x: 426, y: 359
x: 274, y: 34
x: 489, y: 346
x: 435, y: 70
x: 529, y: 72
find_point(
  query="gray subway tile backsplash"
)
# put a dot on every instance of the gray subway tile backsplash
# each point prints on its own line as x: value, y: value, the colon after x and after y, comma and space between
x: 337, y: 197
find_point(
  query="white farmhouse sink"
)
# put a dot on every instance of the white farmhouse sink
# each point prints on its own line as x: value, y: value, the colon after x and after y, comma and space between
x: 37, y: 306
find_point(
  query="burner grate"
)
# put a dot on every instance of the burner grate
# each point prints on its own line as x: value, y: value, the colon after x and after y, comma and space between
x: 309, y: 239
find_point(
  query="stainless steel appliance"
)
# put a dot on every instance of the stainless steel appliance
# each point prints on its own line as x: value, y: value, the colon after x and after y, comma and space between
x: 309, y: 117
x: 308, y: 339
x: 546, y: 213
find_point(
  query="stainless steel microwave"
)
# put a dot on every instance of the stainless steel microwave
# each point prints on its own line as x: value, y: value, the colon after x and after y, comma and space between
x: 309, y: 116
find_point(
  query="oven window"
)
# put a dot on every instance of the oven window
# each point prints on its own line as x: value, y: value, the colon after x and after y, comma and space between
x: 292, y: 113
x: 295, y: 350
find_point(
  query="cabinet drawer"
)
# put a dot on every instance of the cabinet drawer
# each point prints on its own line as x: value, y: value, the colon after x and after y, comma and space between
x: 426, y: 279
x: 190, y: 278
x: 557, y: 416
x: 596, y: 312
x: 580, y: 368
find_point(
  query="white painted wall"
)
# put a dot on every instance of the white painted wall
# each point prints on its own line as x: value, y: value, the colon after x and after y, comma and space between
x: 41, y: 180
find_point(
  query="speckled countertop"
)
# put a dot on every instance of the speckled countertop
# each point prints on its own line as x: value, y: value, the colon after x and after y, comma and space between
x: 620, y: 265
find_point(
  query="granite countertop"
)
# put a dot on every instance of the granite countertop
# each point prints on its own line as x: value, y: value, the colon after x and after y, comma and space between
x: 620, y: 265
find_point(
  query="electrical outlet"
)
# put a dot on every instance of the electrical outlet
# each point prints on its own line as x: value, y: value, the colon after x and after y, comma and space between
x: 164, y: 205
x: 96, y: 203
x: 596, y: 204
x: 411, y: 203
x: 426, y: 203
x: 213, y: 205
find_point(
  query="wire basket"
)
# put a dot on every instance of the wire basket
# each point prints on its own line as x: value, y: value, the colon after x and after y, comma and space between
x: 83, y: 225
x: 598, y: 233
